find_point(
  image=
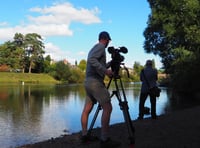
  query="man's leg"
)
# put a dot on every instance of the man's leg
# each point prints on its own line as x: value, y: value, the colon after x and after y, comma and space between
x: 105, y: 120
x: 153, y: 107
x: 84, y: 117
x: 143, y: 97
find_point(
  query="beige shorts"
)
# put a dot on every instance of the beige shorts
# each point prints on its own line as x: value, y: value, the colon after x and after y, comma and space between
x: 96, y: 92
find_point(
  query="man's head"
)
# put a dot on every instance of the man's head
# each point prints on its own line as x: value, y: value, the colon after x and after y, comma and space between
x: 104, y: 35
x: 149, y: 63
x: 104, y: 38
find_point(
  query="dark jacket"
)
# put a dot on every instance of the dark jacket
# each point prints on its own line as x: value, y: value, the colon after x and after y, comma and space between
x: 151, y: 75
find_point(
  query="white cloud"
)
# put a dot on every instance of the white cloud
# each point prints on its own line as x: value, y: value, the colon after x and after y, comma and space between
x: 65, y: 13
x: 55, y: 52
x: 82, y: 53
x: 3, y: 24
x: 44, y: 30
x: 54, y: 20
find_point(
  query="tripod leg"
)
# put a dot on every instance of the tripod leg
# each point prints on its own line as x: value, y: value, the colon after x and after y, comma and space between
x: 127, y: 118
x: 94, y: 119
x: 124, y: 107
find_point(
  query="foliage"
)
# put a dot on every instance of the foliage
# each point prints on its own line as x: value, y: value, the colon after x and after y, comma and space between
x: 47, y: 64
x: 82, y: 65
x: 25, y: 52
x: 173, y: 33
x: 33, y: 46
x: 137, y: 68
x: 77, y: 76
x: 62, y: 71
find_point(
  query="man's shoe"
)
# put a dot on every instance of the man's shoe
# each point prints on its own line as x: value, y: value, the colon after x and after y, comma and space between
x: 86, y: 139
x: 109, y: 143
x: 140, y: 118
x: 154, y: 116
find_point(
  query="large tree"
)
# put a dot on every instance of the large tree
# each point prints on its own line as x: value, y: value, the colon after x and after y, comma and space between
x: 33, y: 48
x: 173, y: 33
x: 19, y: 48
x: 11, y: 55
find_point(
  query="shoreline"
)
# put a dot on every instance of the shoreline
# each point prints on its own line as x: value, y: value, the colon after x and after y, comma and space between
x: 178, y: 129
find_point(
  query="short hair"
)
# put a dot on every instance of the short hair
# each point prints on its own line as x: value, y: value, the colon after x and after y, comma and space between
x: 104, y: 35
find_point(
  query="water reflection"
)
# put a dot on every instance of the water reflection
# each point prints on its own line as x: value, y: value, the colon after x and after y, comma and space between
x: 32, y: 113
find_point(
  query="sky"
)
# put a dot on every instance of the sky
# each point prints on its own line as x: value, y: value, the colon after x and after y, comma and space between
x: 70, y: 28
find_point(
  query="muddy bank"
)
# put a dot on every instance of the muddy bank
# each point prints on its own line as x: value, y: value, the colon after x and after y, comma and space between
x: 180, y: 129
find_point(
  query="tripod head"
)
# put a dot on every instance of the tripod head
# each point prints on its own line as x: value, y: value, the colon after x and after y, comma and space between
x: 117, y: 60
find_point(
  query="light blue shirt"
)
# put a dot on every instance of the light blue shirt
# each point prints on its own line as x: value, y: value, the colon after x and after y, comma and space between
x: 96, y: 63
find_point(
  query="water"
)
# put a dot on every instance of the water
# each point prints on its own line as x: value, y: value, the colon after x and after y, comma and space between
x: 33, y: 113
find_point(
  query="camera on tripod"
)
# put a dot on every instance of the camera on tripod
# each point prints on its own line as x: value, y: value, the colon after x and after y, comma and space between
x: 117, y: 58
x: 115, y: 63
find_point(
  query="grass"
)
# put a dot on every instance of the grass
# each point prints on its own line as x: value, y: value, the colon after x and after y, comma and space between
x: 9, y: 77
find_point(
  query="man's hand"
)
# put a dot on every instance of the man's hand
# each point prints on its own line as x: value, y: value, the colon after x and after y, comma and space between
x: 109, y: 73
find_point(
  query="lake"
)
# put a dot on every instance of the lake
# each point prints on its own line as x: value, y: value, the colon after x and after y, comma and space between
x: 31, y: 113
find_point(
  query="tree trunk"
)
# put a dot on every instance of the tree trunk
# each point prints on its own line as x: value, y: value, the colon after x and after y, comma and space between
x: 29, y: 70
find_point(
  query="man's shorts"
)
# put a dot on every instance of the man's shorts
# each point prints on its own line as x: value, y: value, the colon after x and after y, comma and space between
x: 96, y: 91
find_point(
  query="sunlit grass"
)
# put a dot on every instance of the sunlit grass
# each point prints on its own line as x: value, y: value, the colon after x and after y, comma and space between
x: 9, y: 77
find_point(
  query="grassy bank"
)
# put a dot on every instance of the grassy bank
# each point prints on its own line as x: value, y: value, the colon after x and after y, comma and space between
x: 9, y: 77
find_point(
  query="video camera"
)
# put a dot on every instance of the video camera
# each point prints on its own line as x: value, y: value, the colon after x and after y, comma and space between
x: 117, y: 58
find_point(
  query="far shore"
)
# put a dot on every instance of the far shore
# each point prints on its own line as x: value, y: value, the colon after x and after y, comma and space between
x: 26, y: 78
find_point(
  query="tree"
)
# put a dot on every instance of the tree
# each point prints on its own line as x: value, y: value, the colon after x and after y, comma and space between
x: 5, y: 52
x: 24, y: 51
x: 77, y: 75
x: 82, y: 65
x: 137, y: 67
x: 10, y: 55
x: 47, y: 64
x: 173, y: 33
x: 62, y: 71
x: 33, y: 48
x: 19, y: 49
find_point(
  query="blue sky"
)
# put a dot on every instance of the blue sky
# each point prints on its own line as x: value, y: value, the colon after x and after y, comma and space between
x: 70, y: 27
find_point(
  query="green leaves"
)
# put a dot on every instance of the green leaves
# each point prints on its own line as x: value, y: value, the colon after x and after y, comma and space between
x: 173, y: 33
x: 25, y: 52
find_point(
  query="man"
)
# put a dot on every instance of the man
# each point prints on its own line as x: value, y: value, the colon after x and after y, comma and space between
x: 148, y: 76
x: 96, y: 90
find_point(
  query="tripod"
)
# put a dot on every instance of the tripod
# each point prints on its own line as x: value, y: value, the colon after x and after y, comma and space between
x: 123, y: 106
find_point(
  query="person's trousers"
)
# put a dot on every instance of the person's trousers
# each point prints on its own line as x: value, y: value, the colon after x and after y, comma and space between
x: 143, y: 97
